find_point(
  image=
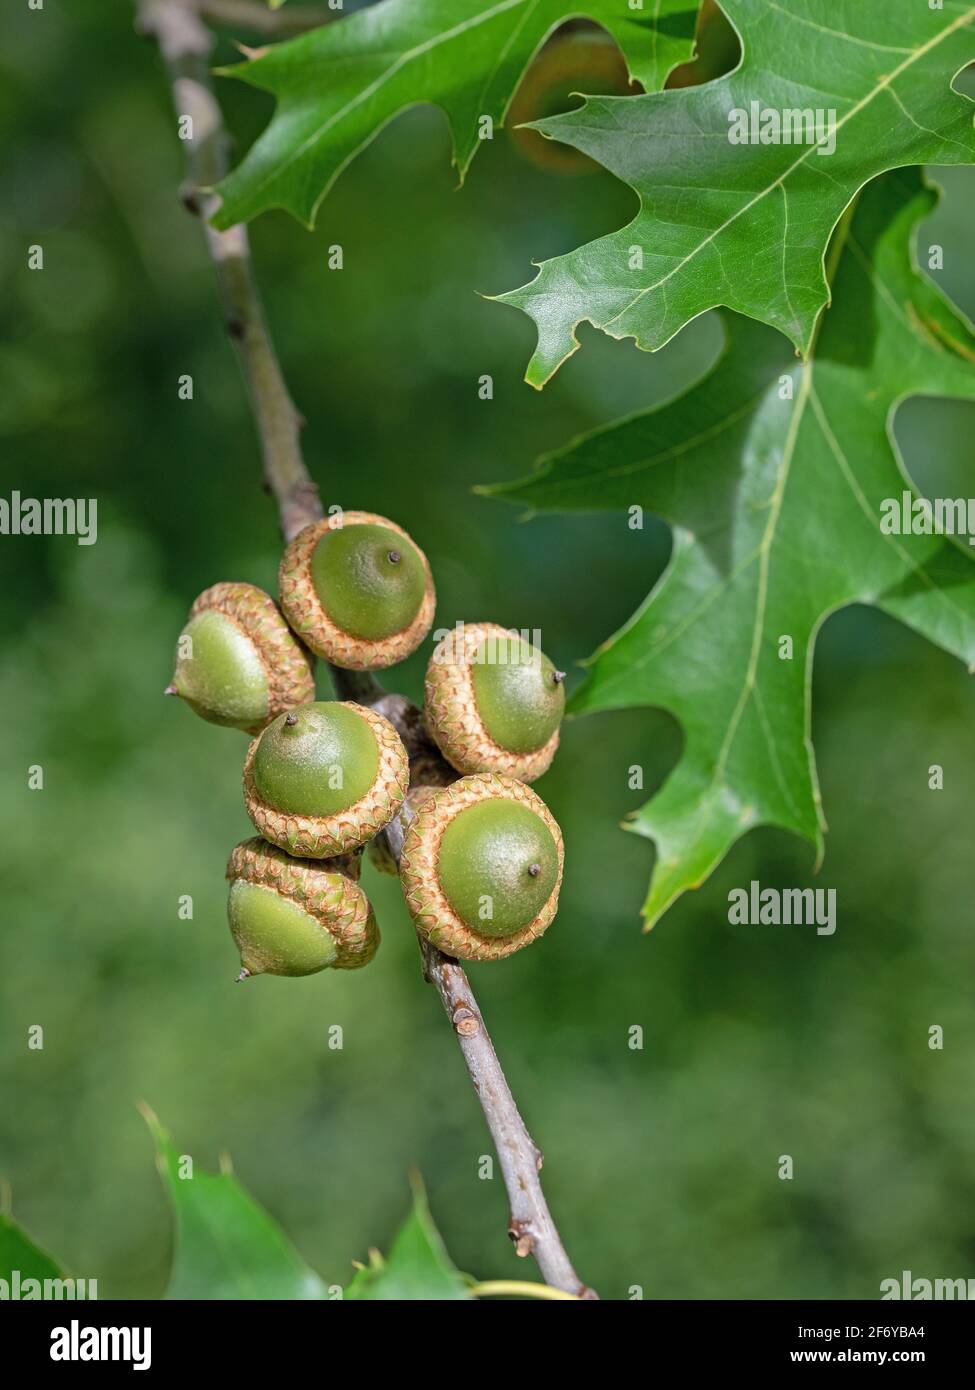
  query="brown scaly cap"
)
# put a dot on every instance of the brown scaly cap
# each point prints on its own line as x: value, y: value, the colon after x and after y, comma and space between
x: 304, y: 611
x: 432, y: 914
x: 378, y: 851
x: 327, y: 891
x: 323, y: 837
x: 452, y: 717
x: 287, y: 664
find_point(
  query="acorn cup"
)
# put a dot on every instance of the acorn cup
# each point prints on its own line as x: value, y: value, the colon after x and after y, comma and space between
x: 237, y: 662
x: 323, y: 779
x: 297, y: 916
x: 357, y: 590
x: 481, y: 867
x: 493, y: 702
x: 482, y: 857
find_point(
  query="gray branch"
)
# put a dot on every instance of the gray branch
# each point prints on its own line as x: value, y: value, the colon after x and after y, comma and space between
x: 186, y: 44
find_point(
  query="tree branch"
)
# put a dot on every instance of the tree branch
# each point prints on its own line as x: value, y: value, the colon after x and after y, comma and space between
x: 186, y: 44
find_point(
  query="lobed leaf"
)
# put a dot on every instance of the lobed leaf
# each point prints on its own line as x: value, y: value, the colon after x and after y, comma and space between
x: 417, y: 1267
x: 20, y: 1255
x: 226, y: 1246
x: 746, y: 226
x: 772, y: 474
x: 337, y: 86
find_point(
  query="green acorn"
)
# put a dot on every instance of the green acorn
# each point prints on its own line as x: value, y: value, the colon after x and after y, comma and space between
x: 325, y: 778
x: 357, y: 590
x: 297, y: 916
x: 481, y: 867
x: 237, y: 662
x: 494, y: 702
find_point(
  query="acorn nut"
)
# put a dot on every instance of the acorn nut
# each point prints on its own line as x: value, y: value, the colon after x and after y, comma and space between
x: 325, y: 778
x: 297, y: 916
x: 481, y: 867
x: 357, y: 590
x: 237, y: 662
x: 494, y: 702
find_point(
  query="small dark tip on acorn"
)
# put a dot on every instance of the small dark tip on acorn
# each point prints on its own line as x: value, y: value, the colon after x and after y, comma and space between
x: 558, y: 677
x: 291, y: 719
x: 245, y: 974
x: 534, y: 870
x: 170, y: 690
x: 394, y: 557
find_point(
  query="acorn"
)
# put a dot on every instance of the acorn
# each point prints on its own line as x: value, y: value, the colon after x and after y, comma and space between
x: 357, y: 590
x: 493, y: 702
x: 237, y: 662
x: 481, y: 867
x: 297, y: 916
x: 325, y: 778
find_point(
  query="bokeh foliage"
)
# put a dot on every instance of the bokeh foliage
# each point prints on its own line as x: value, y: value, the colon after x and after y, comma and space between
x: 661, y: 1163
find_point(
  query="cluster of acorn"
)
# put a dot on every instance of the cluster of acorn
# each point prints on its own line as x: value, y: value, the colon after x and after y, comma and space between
x: 481, y: 862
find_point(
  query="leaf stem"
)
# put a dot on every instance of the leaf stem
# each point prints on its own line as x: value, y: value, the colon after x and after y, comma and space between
x: 519, y: 1288
x: 186, y: 44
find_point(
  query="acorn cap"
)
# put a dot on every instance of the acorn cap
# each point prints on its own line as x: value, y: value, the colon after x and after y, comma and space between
x: 481, y: 867
x: 341, y: 600
x: 482, y: 729
x: 246, y: 666
x: 297, y: 916
x: 289, y: 792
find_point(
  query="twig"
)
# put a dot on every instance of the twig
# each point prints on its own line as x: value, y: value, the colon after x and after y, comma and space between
x: 186, y: 44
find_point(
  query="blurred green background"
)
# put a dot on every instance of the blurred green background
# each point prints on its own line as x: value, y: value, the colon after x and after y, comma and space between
x: 661, y: 1164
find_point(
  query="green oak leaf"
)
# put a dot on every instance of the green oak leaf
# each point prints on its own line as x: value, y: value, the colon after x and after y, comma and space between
x: 747, y: 225
x: 21, y: 1256
x: 417, y: 1266
x: 226, y: 1246
x: 340, y: 84
x: 772, y: 473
